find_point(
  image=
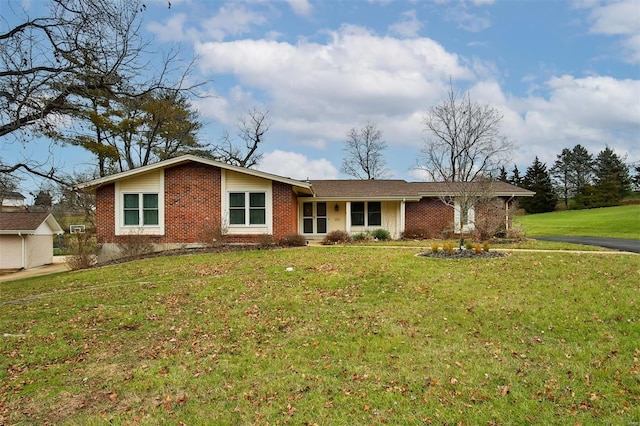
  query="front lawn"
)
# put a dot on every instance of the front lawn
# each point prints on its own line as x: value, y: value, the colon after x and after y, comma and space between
x: 328, y: 336
x: 614, y: 222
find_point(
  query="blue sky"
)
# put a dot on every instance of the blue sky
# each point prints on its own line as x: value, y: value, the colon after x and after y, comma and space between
x: 561, y: 72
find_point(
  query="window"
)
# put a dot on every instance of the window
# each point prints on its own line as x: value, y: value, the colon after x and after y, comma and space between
x: 247, y: 208
x: 141, y: 209
x: 374, y: 214
x: 371, y: 211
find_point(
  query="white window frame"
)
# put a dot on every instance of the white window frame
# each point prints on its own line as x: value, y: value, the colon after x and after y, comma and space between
x: 248, y: 208
x: 121, y: 228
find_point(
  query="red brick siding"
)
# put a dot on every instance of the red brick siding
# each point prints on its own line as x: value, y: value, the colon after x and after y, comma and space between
x: 192, y: 209
x: 285, y: 210
x: 105, y: 221
x: 429, y: 214
x: 192, y: 203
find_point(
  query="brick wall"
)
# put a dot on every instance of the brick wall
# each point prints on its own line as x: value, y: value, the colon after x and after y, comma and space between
x: 285, y: 210
x: 105, y: 222
x: 192, y: 203
x: 429, y: 214
x: 192, y: 209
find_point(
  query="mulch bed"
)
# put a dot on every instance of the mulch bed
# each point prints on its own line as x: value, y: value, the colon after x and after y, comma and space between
x: 463, y: 254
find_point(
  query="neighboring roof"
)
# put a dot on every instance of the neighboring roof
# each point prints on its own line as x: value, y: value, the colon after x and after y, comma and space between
x: 172, y: 162
x: 27, y: 222
x: 13, y: 195
x: 401, y: 189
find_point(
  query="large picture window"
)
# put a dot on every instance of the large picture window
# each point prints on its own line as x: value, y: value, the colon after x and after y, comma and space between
x: 366, y: 213
x: 141, y: 210
x: 247, y: 208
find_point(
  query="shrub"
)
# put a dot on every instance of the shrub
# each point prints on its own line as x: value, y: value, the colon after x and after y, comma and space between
x: 381, y: 234
x: 83, y: 250
x: 293, y: 240
x: 266, y: 241
x: 361, y: 237
x: 136, y: 244
x: 337, y: 237
x: 468, y: 245
x: 477, y: 249
x: 415, y: 233
x: 485, y: 246
x: 435, y: 247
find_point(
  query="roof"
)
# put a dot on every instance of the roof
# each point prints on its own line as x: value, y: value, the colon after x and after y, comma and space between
x: 401, y: 189
x: 14, y: 195
x: 354, y: 189
x: 302, y: 186
x: 27, y: 222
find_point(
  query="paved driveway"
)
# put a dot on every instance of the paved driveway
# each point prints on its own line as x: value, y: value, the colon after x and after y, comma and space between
x: 632, y: 246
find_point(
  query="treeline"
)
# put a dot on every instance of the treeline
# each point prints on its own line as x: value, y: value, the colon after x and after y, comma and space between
x: 576, y: 179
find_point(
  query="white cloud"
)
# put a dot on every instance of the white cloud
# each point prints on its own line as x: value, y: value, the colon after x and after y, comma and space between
x: 467, y: 20
x: 620, y: 18
x: 408, y: 26
x: 301, y: 7
x: 232, y: 19
x: 592, y: 111
x: 297, y: 166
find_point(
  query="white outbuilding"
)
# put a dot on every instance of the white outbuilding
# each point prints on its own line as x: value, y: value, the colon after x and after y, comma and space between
x: 26, y: 239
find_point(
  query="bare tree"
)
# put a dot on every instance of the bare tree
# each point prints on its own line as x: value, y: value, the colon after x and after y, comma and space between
x: 363, y: 153
x: 51, y: 66
x: 251, y: 130
x: 463, y: 147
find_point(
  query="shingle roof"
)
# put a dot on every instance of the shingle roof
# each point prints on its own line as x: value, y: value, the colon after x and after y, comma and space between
x: 363, y: 189
x: 401, y: 189
x: 14, y: 222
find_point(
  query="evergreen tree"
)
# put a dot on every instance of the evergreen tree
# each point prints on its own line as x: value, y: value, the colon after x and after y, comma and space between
x: 516, y: 179
x: 612, y: 180
x: 502, y: 177
x: 581, y: 170
x: 635, y: 180
x: 537, y: 179
x: 561, y: 171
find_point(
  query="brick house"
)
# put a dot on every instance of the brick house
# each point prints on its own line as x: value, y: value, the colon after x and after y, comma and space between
x: 190, y: 201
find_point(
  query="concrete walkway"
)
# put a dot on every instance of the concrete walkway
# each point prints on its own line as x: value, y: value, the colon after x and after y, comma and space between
x: 59, y: 265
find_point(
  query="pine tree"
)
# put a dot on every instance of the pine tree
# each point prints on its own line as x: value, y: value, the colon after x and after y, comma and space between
x: 516, y: 179
x: 612, y: 180
x: 581, y: 171
x: 561, y: 171
x: 537, y: 179
x: 502, y: 177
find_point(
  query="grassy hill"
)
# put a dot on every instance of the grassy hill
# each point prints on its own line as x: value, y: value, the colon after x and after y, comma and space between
x: 615, y: 222
x: 326, y: 336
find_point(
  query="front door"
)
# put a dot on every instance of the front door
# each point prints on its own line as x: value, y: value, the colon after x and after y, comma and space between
x: 314, y: 218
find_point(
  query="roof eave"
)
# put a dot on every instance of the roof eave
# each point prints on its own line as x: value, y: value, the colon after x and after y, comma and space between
x: 96, y: 183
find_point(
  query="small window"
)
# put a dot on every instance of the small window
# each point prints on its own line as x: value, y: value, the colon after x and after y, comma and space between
x: 366, y: 214
x: 374, y: 214
x: 131, y: 209
x: 247, y: 208
x: 357, y: 214
x: 236, y: 208
x: 134, y: 215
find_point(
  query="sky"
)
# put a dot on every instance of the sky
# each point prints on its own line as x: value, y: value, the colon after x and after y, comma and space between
x: 561, y: 73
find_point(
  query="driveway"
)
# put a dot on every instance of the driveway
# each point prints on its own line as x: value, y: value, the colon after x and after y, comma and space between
x: 632, y: 246
x: 59, y: 265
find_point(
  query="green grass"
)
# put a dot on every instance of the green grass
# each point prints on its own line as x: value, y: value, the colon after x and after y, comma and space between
x: 351, y: 335
x: 615, y: 222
